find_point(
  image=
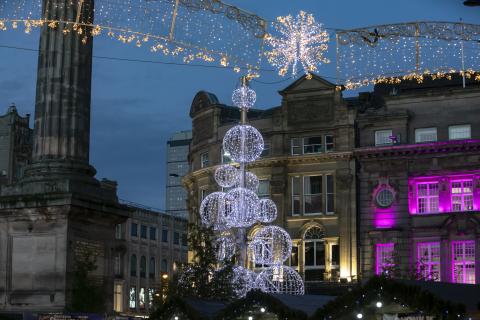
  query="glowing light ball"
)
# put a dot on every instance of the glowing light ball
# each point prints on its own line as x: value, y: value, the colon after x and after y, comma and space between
x: 226, y: 176
x: 271, y: 245
x: 267, y: 212
x: 225, y: 248
x: 244, y: 97
x: 243, y: 281
x: 242, y: 206
x: 280, y: 279
x: 244, y: 143
x: 251, y: 181
x: 212, y: 211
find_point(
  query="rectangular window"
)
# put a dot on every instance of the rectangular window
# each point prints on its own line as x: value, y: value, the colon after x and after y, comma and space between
x: 428, y: 261
x: 143, y: 231
x: 425, y: 135
x: 226, y: 157
x: 330, y: 195
x: 204, y: 160
x: 133, y: 298
x: 462, y: 195
x: 151, y: 294
x: 176, y: 238
x: 296, y: 194
x: 312, y: 145
x: 184, y: 240
x: 427, y: 197
x: 153, y: 233
x: 463, y: 262
x: 459, y: 132
x: 117, y: 266
x: 165, y: 235
x: 118, y: 232
x: 335, y: 259
x: 329, y: 143
x: 141, y: 298
x: 263, y: 189
x: 312, y: 194
x: 294, y: 257
x: 382, y: 137
x: 134, y: 230
x: 296, y: 146
x: 118, y: 297
x: 384, y: 258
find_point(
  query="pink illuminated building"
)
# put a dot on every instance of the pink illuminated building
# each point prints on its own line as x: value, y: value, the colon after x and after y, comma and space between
x: 419, y: 201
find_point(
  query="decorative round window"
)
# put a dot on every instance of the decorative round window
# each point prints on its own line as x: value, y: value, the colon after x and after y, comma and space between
x: 384, y: 198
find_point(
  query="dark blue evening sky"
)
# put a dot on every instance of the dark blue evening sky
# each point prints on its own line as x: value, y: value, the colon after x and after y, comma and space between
x: 137, y: 106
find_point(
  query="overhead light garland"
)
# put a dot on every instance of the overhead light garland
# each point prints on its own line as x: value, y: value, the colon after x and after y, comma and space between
x: 297, y: 41
x: 239, y: 208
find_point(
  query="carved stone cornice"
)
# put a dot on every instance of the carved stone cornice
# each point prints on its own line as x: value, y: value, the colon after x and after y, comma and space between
x: 401, y: 151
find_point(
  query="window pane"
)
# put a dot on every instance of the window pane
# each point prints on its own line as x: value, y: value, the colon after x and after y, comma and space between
x: 382, y: 137
x: 330, y: 194
x: 384, y: 258
x: 133, y: 298
x: 164, y: 235
x: 296, y: 190
x: 143, y: 232
x: 294, y: 257
x: 313, y: 203
x: 320, y: 253
x: 425, y: 134
x: 312, y: 185
x: 463, y: 262
x: 176, y: 238
x: 312, y: 145
x: 264, y: 189
x: 153, y: 233
x: 329, y: 143
x: 296, y: 146
x: 428, y: 261
x: 133, y: 266
x: 134, y: 229
x: 459, y: 132
x: 312, y: 190
x: 335, y: 255
x: 309, y: 254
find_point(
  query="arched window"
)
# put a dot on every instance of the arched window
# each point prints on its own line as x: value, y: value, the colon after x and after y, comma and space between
x: 143, y: 267
x: 151, y: 268
x: 164, y: 265
x: 133, y: 265
x: 314, y: 254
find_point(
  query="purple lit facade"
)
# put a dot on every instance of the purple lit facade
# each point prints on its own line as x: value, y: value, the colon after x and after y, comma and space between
x: 419, y: 201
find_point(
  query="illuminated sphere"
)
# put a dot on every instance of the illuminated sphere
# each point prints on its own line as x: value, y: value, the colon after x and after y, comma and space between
x: 267, y: 212
x: 244, y: 97
x: 212, y: 211
x: 271, y: 245
x: 241, y: 207
x: 243, y: 281
x: 224, y: 248
x: 226, y: 176
x: 281, y: 280
x: 244, y: 143
x: 251, y: 181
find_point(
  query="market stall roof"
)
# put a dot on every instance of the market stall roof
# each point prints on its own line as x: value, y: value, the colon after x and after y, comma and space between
x: 306, y: 303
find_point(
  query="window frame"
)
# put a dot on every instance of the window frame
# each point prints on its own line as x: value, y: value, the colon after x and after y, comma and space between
x: 153, y: 231
x: 381, y: 264
x: 459, y: 126
x: 300, y: 195
x: 326, y: 144
x: 377, y: 144
x: 419, y: 131
x: 321, y: 195
x: 143, y: 231
x: 313, y: 145
x: 428, y: 197
x: 165, y: 235
x: 433, y: 248
x: 204, y: 160
x: 466, y: 265
x: 463, y: 195
x: 134, y: 226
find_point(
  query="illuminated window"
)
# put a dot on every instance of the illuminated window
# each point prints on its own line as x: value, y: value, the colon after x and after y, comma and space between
x: 294, y: 257
x: 133, y: 298
x: 384, y: 258
x: 151, y: 295
x: 428, y: 261
x: 462, y: 195
x: 425, y: 135
x: 118, y: 297
x: 459, y: 132
x: 141, y: 298
x: 427, y: 197
x: 382, y: 137
x: 463, y: 262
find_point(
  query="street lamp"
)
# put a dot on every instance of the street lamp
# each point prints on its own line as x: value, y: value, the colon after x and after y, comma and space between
x: 472, y: 3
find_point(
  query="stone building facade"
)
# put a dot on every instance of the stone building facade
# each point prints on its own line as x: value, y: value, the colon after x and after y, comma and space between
x: 151, y: 248
x: 15, y: 145
x: 307, y: 169
x: 419, y: 181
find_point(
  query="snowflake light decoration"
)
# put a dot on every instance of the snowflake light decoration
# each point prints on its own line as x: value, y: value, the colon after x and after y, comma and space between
x: 300, y: 40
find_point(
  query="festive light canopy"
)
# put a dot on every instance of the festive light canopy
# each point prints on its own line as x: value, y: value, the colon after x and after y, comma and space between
x: 298, y: 40
x: 207, y: 30
x: 244, y: 143
x: 281, y: 280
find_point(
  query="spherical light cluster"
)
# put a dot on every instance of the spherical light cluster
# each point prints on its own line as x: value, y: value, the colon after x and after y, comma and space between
x: 300, y: 40
x: 241, y: 207
x: 267, y: 212
x: 212, y: 211
x: 224, y: 247
x: 271, y: 245
x: 244, y: 143
x: 243, y: 281
x: 226, y: 176
x: 280, y: 279
x: 244, y: 97
x: 250, y: 181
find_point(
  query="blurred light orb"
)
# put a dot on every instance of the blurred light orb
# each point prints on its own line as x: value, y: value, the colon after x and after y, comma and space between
x: 250, y: 180
x: 244, y: 97
x: 212, y: 211
x: 271, y: 245
x: 267, y: 212
x: 244, y: 143
x: 224, y: 248
x: 242, y: 206
x: 243, y: 281
x: 281, y: 280
x: 226, y: 176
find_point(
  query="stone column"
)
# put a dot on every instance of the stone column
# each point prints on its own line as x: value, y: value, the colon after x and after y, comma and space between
x: 62, y: 109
